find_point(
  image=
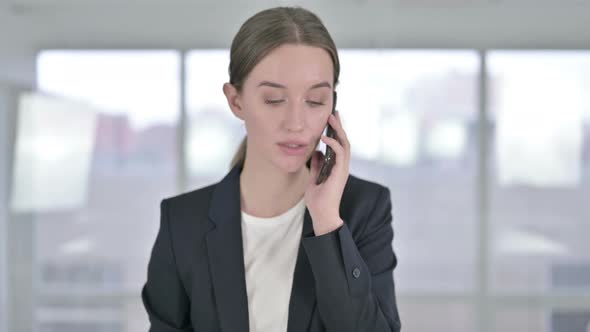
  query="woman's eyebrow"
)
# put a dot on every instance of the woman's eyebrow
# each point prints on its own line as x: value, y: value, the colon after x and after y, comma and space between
x: 280, y: 86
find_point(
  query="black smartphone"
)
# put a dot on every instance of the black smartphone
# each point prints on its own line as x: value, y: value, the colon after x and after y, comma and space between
x: 330, y: 155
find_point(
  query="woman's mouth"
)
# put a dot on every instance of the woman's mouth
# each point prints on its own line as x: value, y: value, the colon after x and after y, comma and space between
x: 292, y: 149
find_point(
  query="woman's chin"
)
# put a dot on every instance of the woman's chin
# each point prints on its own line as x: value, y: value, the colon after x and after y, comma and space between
x: 292, y: 165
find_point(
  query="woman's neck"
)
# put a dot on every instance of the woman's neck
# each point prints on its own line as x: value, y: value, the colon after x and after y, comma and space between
x: 267, y: 193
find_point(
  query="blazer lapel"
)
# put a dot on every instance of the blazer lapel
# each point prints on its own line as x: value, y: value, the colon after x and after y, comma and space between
x: 303, y: 297
x: 226, y: 254
x: 226, y: 261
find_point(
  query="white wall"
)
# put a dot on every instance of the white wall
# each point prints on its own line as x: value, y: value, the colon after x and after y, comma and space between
x: 3, y: 205
x: 16, y: 232
x: 29, y: 25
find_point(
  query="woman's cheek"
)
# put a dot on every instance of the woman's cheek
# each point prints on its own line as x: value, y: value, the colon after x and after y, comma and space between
x: 321, y: 124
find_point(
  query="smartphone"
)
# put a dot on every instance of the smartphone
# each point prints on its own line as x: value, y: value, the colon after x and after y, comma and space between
x: 330, y: 155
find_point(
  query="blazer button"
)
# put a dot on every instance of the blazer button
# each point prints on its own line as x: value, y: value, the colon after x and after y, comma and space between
x: 356, y: 272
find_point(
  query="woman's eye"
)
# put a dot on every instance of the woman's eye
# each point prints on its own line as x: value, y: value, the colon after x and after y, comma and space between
x: 272, y: 102
x: 315, y: 103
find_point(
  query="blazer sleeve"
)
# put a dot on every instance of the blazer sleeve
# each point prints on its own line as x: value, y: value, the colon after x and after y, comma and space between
x: 163, y: 295
x: 354, y: 281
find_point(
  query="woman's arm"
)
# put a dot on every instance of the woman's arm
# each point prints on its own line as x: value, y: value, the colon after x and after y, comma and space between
x: 163, y: 295
x: 354, y: 281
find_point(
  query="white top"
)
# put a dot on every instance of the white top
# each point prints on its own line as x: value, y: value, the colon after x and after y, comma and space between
x: 270, y: 253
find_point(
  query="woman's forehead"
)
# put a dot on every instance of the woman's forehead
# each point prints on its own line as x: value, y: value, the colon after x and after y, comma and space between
x: 294, y: 67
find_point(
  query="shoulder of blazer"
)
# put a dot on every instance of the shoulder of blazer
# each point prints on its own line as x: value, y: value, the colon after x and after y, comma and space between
x: 188, y: 211
x: 359, y: 199
x: 199, y: 195
x: 356, y: 186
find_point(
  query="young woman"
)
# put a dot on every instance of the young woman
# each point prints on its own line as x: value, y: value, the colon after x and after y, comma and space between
x: 266, y: 248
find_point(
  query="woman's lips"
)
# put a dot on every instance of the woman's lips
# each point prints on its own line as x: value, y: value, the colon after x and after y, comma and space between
x: 292, y: 151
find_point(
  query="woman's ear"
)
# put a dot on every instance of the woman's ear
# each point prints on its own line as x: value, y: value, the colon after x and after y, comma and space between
x: 233, y: 100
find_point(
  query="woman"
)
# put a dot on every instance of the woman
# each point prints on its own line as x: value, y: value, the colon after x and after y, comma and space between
x: 266, y: 249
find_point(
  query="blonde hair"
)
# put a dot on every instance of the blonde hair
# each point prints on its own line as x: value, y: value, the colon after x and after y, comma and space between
x: 267, y: 30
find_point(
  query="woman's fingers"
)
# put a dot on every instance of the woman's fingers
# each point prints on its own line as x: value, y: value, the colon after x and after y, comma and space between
x: 336, y: 123
x: 316, y: 162
x: 336, y: 146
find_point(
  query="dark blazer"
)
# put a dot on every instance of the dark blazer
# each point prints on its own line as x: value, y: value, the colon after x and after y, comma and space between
x: 343, y: 280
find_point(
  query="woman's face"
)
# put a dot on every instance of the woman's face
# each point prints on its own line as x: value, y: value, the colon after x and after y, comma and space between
x: 287, y: 97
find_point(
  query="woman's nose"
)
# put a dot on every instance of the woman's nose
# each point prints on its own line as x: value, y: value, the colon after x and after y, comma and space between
x: 295, y: 118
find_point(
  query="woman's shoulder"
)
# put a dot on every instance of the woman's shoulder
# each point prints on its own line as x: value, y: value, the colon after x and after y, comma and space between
x: 365, y: 205
x: 362, y: 196
x: 357, y: 186
x: 359, y: 192
x: 189, y: 204
x: 201, y: 193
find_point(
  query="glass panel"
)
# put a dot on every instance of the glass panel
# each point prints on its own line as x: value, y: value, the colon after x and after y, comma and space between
x: 411, y: 119
x: 540, y: 157
x: 210, y: 118
x: 4, y: 180
x: 85, y: 262
x: 456, y: 316
x: 532, y: 319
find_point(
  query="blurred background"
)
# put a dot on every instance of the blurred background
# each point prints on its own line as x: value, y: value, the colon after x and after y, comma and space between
x: 475, y: 113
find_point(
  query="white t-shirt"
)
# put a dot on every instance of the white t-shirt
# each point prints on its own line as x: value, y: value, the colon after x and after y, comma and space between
x: 270, y: 253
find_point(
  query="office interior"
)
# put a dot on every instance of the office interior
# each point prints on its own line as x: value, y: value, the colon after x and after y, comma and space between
x: 474, y: 113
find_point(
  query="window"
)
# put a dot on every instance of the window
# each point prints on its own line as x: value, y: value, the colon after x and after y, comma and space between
x: 209, y: 118
x: 414, y: 119
x: 540, y: 172
x: 411, y: 117
x: 87, y: 273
